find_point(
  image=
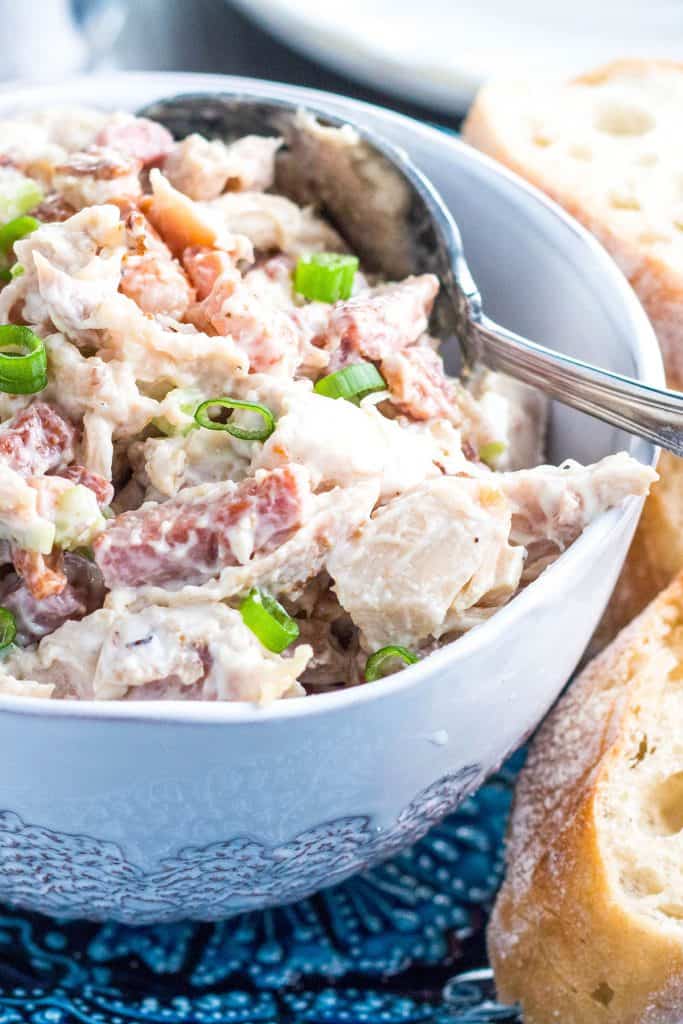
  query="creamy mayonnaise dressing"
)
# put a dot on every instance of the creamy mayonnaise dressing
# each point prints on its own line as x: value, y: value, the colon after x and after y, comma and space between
x: 163, y: 274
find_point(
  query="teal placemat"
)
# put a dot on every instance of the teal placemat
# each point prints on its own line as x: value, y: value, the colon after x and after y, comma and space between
x: 401, y: 944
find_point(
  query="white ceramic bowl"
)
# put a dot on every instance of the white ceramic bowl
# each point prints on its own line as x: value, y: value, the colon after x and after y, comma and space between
x: 158, y: 811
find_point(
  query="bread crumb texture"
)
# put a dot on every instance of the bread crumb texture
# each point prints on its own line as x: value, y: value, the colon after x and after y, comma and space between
x: 607, y: 148
x: 588, y: 926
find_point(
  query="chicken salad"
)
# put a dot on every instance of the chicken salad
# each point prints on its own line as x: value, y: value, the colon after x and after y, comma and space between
x: 232, y: 464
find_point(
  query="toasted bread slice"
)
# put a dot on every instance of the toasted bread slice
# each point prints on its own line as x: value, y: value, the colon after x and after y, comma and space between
x: 606, y: 148
x: 588, y: 926
x: 655, y: 556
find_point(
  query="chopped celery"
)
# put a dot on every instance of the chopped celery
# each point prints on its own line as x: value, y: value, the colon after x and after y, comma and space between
x: 18, y: 195
x: 78, y: 519
x: 176, y: 412
x: 38, y: 535
x: 491, y: 452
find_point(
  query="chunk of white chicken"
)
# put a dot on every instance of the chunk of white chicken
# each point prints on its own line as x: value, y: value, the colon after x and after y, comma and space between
x: 168, y: 464
x: 441, y: 548
x: 69, y: 268
x: 342, y: 444
x: 273, y: 222
x: 70, y: 128
x: 203, y: 169
x: 12, y: 687
x: 201, y: 652
x: 102, y: 394
x: 177, y: 354
x: 514, y: 418
x: 556, y: 503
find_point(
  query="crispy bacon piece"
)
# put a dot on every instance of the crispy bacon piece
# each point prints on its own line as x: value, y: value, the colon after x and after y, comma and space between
x: 190, y: 538
x: 43, y: 574
x: 37, y: 440
x: 204, y: 266
x: 98, y: 163
x: 54, y: 208
x: 82, y: 594
x: 103, y: 490
x: 380, y: 321
x: 419, y: 387
x: 145, y: 140
x: 151, y: 277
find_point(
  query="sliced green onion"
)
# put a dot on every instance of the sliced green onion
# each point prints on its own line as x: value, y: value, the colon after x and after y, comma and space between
x: 108, y: 512
x: 353, y: 382
x: 16, y: 229
x: 268, y: 620
x: 490, y: 452
x: 325, y: 276
x: 17, y: 270
x: 377, y: 664
x: 23, y: 361
x: 203, y: 418
x: 8, y: 628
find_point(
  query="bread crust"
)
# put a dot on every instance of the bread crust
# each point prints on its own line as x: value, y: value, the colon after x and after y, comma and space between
x: 562, y: 939
x: 658, y: 286
x: 655, y: 555
x: 657, y: 550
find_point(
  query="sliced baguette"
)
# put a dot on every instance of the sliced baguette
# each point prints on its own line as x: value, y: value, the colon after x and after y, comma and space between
x: 607, y: 148
x: 655, y: 556
x: 588, y: 926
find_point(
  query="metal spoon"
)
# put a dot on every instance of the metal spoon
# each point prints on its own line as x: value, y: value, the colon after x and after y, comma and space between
x: 395, y: 220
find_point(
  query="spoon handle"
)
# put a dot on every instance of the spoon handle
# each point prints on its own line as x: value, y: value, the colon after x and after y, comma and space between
x: 653, y: 413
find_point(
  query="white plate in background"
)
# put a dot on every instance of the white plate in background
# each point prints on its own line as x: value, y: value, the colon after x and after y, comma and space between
x: 437, y: 52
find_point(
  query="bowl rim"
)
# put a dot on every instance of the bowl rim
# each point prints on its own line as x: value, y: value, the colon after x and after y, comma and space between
x: 102, y: 89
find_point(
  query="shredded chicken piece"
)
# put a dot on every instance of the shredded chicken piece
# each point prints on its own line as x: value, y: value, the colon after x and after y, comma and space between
x: 168, y: 464
x: 103, y: 395
x: 206, y: 650
x: 556, y: 503
x: 341, y: 444
x: 442, y: 546
x: 203, y: 169
x: 273, y: 223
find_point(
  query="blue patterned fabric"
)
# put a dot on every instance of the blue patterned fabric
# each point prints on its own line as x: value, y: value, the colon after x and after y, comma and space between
x: 400, y: 944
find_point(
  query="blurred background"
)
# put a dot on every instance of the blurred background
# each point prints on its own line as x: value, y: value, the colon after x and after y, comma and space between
x: 426, y: 58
